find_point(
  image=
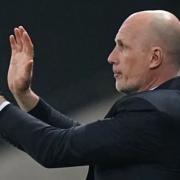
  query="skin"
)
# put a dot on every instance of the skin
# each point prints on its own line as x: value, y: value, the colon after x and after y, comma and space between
x: 140, y: 58
x: 21, y: 69
x: 145, y: 56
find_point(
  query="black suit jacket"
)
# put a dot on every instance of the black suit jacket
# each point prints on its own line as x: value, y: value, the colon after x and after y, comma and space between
x: 137, y: 140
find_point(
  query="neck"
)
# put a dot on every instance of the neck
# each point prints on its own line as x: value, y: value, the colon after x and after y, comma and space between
x: 160, y: 79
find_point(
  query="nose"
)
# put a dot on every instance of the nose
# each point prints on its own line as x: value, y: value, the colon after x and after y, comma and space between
x: 112, y: 56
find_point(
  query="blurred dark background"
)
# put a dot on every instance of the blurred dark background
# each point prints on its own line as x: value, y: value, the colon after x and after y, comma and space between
x: 72, y: 41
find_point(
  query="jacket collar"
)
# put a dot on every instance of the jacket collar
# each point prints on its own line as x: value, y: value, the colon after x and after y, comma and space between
x: 173, y: 83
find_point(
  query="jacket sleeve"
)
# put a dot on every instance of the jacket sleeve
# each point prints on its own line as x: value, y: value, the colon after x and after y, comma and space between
x: 130, y: 135
x: 49, y: 115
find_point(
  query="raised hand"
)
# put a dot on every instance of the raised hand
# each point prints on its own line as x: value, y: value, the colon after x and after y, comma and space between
x: 21, y: 69
x: 21, y: 63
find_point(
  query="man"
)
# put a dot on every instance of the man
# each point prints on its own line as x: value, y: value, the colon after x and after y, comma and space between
x: 139, y: 137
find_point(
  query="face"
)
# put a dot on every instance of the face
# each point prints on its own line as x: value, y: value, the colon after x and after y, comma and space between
x: 130, y: 59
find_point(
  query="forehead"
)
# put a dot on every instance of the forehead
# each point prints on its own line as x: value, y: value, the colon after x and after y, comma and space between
x: 127, y: 30
x: 132, y: 31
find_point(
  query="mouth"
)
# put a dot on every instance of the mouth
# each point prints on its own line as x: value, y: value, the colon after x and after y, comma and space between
x: 117, y: 75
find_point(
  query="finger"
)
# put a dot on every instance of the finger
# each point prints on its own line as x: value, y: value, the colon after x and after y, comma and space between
x: 24, y: 31
x: 29, y: 67
x: 18, y: 38
x: 12, y: 42
x: 28, y: 45
x: 13, y: 47
x: 29, y: 71
x: 21, y: 30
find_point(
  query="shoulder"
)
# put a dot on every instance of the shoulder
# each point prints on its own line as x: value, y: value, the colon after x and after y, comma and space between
x: 156, y: 100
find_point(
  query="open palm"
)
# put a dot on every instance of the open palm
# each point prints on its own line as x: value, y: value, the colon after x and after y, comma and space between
x: 21, y: 63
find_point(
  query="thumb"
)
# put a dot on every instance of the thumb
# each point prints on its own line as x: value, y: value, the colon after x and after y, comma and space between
x: 29, y: 69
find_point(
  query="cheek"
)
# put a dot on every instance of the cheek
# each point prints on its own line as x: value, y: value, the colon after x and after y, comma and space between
x: 134, y: 68
x: 128, y: 67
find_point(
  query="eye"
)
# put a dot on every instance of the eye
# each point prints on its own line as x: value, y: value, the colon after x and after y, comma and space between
x: 120, y: 44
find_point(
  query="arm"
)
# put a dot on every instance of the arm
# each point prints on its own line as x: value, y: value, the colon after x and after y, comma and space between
x: 132, y: 135
x: 51, y: 116
x: 20, y: 75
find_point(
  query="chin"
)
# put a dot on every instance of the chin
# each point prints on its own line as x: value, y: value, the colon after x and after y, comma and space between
x: 120, y: 88
x: 120, y: 85
x: 125, y: 89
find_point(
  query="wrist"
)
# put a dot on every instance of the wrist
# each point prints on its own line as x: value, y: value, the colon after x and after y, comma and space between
x: 2, y: 99
x: 21, y: 94
x: 27, y: 100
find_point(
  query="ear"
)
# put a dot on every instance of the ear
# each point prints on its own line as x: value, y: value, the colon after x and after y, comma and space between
x: 156, y: 58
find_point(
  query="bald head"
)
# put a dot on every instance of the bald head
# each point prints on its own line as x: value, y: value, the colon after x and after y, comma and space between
x: 160, y: 28
x: 147, y: 51
x: 161, y: 15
